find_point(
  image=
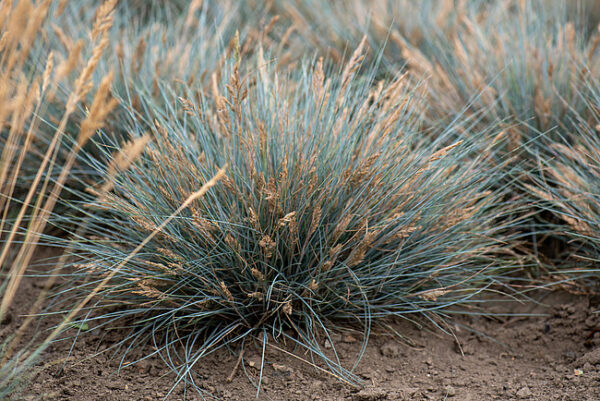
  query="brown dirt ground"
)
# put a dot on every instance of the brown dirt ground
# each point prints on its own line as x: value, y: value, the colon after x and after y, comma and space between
x: 555, y: 356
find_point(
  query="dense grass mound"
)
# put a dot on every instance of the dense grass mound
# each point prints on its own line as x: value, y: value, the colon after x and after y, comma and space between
x: 187, y: 41
x: 524, y: 64
x: 567, y: 184
x: 333, y: 212
x: 334, y: 28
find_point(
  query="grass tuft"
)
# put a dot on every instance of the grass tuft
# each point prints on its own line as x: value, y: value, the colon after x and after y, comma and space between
x: 333, y: 212
x: 567, y: 186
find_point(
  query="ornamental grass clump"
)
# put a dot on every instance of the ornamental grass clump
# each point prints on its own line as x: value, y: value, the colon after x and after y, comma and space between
x: 567, y: 184
x: 334, y: 28
x: 332, y: 212
x: 187, y: 46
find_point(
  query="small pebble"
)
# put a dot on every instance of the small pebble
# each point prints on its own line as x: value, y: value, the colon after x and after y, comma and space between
x: 524, y: 393
x: 450, y: 391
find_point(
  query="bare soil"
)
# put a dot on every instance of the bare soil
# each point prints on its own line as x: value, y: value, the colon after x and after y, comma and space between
x: 554, y: 356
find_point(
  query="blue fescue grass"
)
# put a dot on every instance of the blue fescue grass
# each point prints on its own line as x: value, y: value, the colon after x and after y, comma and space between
x: 187, y: 41
x: 567, y: 184
x: 525, y: 64
x: 334, y: 28
x: 334, y: 212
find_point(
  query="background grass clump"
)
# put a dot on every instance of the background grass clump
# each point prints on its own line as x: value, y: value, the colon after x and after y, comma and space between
x: 332, y: 212
x: 567, y: 185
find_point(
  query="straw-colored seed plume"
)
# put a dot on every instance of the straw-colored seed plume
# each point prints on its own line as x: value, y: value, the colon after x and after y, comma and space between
x: 233, y: 243
x: 48, y: 71
x: 358, y: 253
x: 83, y: 83
x: 341, y: 227
x: 169, y: 254
x: 256, y: 295
x: 137, y: 60
x: 315, y: 221
x: 318, y: 80
x: 442, y: 152
x: 61, y: 7
x: 257, y: 274
x: 253, y: 219
x: 102, y: 105
x: 67, y: 66
x: 434, y: 294
x: 104, y: 18
x: 124, y: 158
x: 293, y: 228
x: 194, y: 6
x: 226, y: 291
x: 268, y: 246
x: 149, y: 292
x: 352, y: 65
x: 285, y: 220
x: 63, y: 38
x: 404, y: 232
x: 287, y: 308
x: 160, y: 267
x: 188, y: 107
x: 443, y: 13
